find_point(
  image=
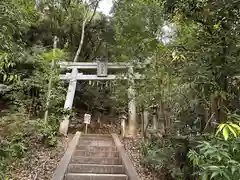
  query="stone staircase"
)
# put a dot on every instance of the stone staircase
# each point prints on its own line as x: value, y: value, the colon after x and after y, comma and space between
x: 95, y: 157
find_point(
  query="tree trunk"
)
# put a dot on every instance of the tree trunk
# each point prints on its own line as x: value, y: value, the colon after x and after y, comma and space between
x: 81, y: 41
x: 50, y: 80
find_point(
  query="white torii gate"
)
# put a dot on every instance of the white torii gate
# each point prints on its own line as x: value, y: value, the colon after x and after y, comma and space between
x: 102, y: 74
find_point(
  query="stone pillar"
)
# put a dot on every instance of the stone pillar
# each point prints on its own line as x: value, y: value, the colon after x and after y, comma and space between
x: 145, y: 119
x: 161, y: 118
x: 69, y: 102
x: 155, y: 123
x: 132, y: 131
x: 155, y: 120
x: 123, y: 125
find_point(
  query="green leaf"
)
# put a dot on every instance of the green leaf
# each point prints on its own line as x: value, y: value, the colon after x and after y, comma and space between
x: 213, y: 168
x: 219, y: 157
x: 11, y: 78
x: 214, y: 174
x: 205, y: 176
x: 4, y: 77
x: 220, y: 127
x: 217, y: 26
x: 226, y: 176
x: 226, y: 133
x: 235, y: 126
x: 233, y: 169
x: 232, y: 130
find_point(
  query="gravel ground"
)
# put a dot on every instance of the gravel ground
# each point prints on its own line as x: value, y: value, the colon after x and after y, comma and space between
x: 40, y: 163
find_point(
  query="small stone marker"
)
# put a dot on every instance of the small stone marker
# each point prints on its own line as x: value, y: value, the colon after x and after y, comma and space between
x: 87, y: 121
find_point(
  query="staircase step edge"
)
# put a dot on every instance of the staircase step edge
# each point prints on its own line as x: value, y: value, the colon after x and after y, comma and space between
x: 96, y: 157
x: 108, y: 165
x: 95, y: 174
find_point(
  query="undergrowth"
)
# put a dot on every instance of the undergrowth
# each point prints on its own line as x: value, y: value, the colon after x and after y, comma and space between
x: 18, y: 134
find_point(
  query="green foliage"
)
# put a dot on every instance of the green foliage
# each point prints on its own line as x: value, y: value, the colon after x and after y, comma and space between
x: 157, y: 156
x: 217, y: 159
x: 48, y: 133
x: 27, y: 98
x: 167, y: 157
x: 227, y: 129
x: 65, y: 21
x: 31, y: 90
x: 196, y: 64
x: 56, y: 55
x: 230, y: 128
x: 26, y: 70
x: 14, y: 22
x: 138, y: 27
x: 6, y: 65
x: 192, y: 75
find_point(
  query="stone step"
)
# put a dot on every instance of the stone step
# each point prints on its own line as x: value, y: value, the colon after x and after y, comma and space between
x: 96, y: 148
x: 96, y: 160
x: 97, y: 135
x: 96, y: 138
x: 88, y: 176
x: 95, y: 143
x: 95, y: 154
x: 96, y: 168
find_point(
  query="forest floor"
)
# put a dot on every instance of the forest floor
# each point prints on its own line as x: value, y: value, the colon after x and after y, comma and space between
x: 40, y: 162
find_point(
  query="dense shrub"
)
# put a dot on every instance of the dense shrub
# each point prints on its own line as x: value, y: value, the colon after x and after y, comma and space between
x: 167, y: 156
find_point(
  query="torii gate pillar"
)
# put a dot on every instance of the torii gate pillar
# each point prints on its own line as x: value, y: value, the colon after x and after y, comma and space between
x: 69, y: 101
x: 132, y: 123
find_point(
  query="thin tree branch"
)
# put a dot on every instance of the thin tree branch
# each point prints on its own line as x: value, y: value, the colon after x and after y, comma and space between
x: 209, y: 120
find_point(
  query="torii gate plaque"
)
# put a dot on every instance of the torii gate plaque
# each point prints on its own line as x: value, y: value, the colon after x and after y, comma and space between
x: 102, y: 68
